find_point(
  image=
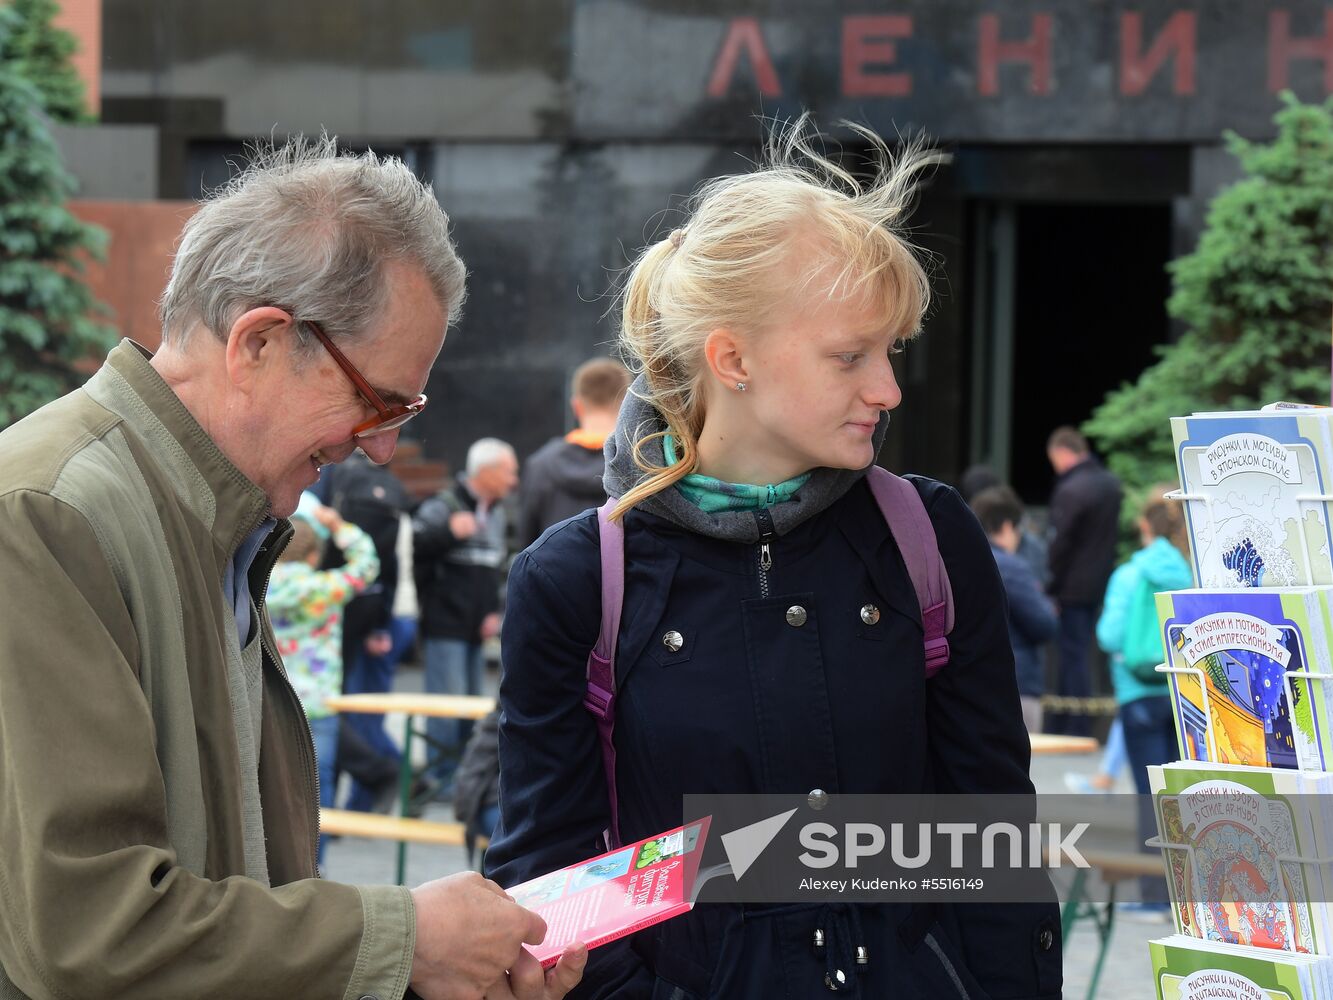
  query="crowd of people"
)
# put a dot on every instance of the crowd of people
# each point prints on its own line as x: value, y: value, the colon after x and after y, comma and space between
x: 205, y: 543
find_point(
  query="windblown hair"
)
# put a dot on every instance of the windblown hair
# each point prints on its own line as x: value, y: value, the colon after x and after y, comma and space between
x: 797, y: 227
x: 310, y: 230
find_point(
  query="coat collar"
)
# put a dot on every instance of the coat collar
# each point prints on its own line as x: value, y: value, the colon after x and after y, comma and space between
x: 205, y: 480
x: 638, y: 420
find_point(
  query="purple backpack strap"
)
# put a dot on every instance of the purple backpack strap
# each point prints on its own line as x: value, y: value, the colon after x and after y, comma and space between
x: 910, y: 526
x: 912, y: 530
x: 600, y: 697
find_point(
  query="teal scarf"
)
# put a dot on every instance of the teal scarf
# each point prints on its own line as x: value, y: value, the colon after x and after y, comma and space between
x: 713, y: 495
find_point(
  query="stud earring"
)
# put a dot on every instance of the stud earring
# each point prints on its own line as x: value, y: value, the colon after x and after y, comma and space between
x: 740, y: 386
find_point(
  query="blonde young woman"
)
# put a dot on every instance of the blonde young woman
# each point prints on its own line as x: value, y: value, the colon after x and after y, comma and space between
x: 764, y: 330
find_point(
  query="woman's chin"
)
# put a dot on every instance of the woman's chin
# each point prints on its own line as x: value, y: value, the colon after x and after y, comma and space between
x: 850, y: 458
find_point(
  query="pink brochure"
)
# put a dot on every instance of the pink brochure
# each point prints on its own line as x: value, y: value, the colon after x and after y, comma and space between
x: 615, y: 894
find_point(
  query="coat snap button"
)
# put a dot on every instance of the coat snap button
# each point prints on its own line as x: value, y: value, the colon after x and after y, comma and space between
x: 835, y: 980
x: 869, y: 614
x: 673, y: 641
x: 796, y: 616
x: 818, y: 798
x: 1046, y: 939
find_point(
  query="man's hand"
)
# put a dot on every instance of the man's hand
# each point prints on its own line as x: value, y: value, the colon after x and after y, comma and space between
x: 490, y: 625
x: 527, y: 981
x: 469, y: 933
x: 462, y: 524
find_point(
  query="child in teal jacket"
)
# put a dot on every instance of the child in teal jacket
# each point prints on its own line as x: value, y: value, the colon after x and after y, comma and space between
x: 1128, y: 625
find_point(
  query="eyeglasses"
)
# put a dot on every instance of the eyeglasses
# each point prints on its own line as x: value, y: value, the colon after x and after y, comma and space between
x: 387, y: 417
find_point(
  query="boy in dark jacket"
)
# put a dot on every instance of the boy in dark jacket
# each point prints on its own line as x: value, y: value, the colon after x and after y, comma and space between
x: 564, y: 476
x: 1032, y: 618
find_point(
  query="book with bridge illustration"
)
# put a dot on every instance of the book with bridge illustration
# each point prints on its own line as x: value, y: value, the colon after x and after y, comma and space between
x: 1255, y: 486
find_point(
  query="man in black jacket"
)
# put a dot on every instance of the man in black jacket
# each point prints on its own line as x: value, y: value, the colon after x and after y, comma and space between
x: 1084, y: 517
x: 459, y: 556
x: 564, y: 476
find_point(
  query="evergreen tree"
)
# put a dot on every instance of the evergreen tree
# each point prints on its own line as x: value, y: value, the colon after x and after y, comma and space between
x: 40, y: 53
x: 1255, y: 297
x: 47, y: 324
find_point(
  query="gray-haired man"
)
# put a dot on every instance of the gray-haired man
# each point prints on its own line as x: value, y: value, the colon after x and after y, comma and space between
x: 460, y: 549
x: 159, y: 808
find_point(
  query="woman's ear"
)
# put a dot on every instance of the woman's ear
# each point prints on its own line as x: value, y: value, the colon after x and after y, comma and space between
x: 724, y: 353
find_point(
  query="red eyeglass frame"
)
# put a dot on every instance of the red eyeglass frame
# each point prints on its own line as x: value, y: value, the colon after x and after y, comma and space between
x: 388, y: 417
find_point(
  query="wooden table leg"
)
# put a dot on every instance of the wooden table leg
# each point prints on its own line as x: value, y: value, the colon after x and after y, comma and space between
x: 404, y: 794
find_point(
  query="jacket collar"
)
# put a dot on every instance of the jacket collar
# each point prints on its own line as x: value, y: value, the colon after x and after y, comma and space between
x: 217, y: 492
x: 638, y: 419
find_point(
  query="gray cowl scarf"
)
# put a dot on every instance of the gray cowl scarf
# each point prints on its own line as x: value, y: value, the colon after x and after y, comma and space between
x: 638, y: 419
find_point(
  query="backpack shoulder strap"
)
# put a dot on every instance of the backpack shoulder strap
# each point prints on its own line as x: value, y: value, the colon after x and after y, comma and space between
x: 910, y: 525
x: 600, y: 697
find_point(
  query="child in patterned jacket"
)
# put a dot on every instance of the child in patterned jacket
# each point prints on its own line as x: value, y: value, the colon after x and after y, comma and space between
x: 306, y: 607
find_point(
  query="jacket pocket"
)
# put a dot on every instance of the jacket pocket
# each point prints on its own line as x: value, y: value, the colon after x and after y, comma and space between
x: 941, y: 961
x: 663, y: 990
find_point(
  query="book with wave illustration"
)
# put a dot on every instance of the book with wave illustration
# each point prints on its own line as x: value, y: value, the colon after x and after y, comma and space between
x: 1255, y: 485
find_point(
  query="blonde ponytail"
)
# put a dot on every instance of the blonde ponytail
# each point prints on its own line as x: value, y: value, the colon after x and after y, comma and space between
x: 724, y: 268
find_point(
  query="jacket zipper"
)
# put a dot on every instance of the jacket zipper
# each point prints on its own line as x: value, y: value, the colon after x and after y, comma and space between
x: 310, y: 767
x: 765, y: 564
x: 766, y: 534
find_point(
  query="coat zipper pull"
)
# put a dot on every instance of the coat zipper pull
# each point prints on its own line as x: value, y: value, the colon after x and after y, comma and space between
x: 766, y: 535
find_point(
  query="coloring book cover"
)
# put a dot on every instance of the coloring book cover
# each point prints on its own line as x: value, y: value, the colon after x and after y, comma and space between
x: 1231, y: 652
x: 1254, y: 483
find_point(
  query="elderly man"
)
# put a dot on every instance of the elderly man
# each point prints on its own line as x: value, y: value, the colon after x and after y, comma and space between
x: 460, y: 546
x: 159, y: 808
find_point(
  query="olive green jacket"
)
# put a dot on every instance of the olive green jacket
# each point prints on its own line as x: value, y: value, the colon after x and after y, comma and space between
x: 159, y: 807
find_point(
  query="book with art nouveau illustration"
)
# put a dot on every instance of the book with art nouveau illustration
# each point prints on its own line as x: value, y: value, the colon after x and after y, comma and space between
x: 1243, y: 847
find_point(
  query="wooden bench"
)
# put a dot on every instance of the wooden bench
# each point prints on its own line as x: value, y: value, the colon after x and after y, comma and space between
x: 402, y: 829
x: 1050, y: 743
x: 374, y: 826
x: 1114, y: 867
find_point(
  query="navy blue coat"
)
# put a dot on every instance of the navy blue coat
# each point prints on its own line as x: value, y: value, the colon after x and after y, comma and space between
x: 751, y: 704
x: 1032, y: 620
